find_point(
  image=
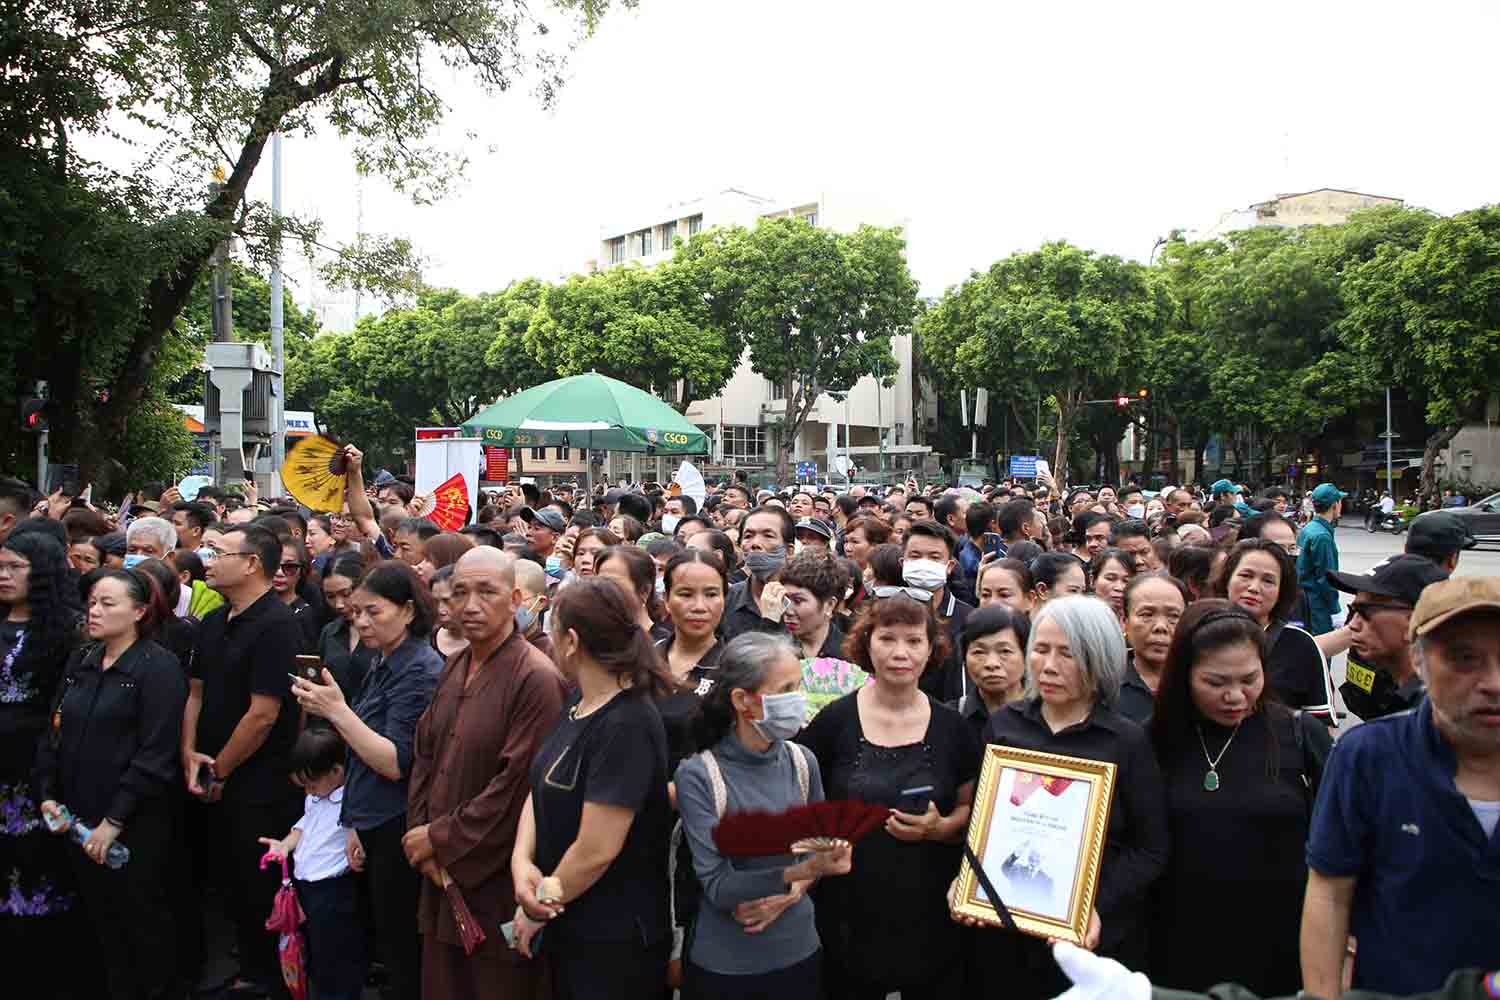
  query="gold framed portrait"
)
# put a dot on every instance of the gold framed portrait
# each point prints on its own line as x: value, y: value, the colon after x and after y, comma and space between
x: 1038, y: 829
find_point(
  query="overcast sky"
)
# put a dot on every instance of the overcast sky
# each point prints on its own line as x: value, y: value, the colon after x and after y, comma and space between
x: 992, y: 126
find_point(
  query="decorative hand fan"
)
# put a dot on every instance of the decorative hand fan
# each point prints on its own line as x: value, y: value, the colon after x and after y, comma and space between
x: 470, y: 933
x: 820, y: 826
x: 448, y: 507
x: 314, y: 473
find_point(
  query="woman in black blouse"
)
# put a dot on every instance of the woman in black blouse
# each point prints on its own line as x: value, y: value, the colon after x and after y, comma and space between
x: 1241, y: 773
x: 1075, y: 661
x: 1261, y: 577
x: 110, y: 757
x: 885, y: 927
x: 288, y: 583
x: 38, y: 631
x: 339, y: 645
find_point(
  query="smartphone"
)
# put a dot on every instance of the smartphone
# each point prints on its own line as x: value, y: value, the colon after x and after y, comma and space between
x: 310, y: 668
x: 991, y: 541
x: 914, y: 800
x: 508, y: 931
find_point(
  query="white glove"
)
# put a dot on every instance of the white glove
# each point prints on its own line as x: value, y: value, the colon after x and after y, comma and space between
x: 1098, y: 978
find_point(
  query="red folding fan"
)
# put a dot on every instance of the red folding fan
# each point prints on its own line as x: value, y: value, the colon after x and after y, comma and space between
x: 820, y: 826
x: 448, y: 506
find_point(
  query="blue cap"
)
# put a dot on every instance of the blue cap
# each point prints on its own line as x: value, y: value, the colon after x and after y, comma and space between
x: 1326, y: 494
x: 1222, y: 486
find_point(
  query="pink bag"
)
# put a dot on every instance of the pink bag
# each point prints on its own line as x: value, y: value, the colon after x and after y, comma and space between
x: 286, y: 918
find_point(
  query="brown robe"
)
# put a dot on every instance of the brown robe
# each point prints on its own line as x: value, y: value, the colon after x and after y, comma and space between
x: 469, y: 781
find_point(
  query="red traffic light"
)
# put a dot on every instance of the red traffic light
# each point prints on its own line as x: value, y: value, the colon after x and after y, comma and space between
x: 34, y: 415
x: 1143, y: 393
x: 1122, y: 401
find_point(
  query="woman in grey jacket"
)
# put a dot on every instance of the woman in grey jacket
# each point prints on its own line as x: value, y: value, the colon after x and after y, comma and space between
x: 754, y: 937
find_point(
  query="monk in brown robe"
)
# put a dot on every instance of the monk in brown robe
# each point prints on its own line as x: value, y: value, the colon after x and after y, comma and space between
x: 495, y: 704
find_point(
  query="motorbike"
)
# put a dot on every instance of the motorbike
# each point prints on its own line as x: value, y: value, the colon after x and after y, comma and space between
x: 1395, y: 522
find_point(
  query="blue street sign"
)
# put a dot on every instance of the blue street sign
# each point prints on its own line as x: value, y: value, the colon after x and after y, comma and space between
x: 1023, y: 466
x: 807, y: 470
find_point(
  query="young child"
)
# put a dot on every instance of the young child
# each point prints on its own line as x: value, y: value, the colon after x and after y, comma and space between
x: 336, y: 956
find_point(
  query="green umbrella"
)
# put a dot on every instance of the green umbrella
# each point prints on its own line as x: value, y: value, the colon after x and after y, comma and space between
x: 587, y: 411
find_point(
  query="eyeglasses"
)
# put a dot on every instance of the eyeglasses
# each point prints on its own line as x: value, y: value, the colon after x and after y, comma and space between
x: 14, y: 568
x: 291, y: 567
x: 226, y: 555
x: 1364, y: 608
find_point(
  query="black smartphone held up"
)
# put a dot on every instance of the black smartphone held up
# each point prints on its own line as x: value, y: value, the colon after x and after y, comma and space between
x: 310, y: 668
x: 991, y: 541
x: 914, y: 801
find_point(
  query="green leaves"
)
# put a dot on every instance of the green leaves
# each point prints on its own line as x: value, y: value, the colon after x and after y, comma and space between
x: 816, y: 309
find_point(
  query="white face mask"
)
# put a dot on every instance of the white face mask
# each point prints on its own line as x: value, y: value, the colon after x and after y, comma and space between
x: 1136, y: 510
x: 669, y: 523
x: 927, y: 574
x: 797, y: 547
x: 784, y: 715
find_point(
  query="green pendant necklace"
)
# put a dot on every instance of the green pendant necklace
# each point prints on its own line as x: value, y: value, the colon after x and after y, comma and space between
x: 1211, y: 779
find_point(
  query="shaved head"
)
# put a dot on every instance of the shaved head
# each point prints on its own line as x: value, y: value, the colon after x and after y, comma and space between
x: 529, y: 577
x: 485, y: 597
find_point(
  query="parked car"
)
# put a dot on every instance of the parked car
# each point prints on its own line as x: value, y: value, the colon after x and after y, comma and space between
x: 1482, y: 518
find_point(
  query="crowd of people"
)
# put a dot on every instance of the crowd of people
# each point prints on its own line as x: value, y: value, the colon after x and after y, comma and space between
x: 531, y: 728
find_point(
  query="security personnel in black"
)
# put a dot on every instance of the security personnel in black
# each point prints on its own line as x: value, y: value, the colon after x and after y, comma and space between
x: 1381, y: 679
x: 1440, y: 535
x: 111, y: 758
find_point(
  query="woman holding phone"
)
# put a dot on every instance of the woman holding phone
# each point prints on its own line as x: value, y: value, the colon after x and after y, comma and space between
x: 393, y: 614
x: 885, y: 927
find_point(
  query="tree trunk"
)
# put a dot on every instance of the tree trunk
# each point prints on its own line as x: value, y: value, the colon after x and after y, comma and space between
x: 1067, y: 412
x: 1436, y: 442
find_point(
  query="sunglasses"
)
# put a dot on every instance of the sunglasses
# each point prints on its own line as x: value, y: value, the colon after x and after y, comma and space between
x: 915, y: 593
x: 1365, y: 608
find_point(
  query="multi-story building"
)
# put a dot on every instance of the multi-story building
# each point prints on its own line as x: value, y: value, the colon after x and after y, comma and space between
x: 1321, y: 207
x: 744, y: 420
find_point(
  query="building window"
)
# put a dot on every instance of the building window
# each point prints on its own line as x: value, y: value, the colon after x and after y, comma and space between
x: 744, y: 444
x: 668, y: 234
x: 617, y: 250
x: 695, y: 224
x: 643, y: 243
x: 539, y: 454
x: 811, y: 218
x: 562, y: 454
x: 778, y: 390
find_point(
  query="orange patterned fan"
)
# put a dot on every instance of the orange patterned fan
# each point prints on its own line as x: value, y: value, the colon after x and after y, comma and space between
x: 820, y: 826
x: 448, y: 507
x: 314, y: 473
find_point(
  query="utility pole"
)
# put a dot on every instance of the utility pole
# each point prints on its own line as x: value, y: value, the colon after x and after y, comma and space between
x: 1388, y: 435
x: 278, y: 344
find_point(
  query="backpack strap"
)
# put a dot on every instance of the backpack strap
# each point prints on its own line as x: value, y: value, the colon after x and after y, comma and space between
x: 799, y: 761
x: 716, y: 782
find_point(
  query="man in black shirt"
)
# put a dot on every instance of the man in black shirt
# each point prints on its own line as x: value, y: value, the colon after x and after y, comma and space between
x: 1381, y: 677
x: 237, y: 730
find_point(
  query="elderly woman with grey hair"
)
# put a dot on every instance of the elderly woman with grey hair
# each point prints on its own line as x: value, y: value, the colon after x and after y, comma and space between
x: 754, y: 935
x: 1075, y: 664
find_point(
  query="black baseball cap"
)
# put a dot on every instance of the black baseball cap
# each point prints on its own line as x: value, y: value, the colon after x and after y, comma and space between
x: 613, y: 496
x: 1403, y: 577
x: 1438, y: 534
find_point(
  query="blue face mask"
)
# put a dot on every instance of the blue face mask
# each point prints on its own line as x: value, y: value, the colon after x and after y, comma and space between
x: 134, y: 559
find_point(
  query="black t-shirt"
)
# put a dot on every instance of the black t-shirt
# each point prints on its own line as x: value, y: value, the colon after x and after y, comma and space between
x: 614, y: 756
x: 1295, y: 670
x: 255, y: 652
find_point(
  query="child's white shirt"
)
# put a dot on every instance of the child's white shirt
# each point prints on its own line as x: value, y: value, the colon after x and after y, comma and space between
x: 320, y: 853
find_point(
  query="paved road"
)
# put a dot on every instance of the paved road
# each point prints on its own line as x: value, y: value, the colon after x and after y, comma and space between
x: 1359, y: 550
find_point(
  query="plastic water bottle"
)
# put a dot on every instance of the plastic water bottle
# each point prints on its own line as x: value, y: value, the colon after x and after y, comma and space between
x: 117, y: 855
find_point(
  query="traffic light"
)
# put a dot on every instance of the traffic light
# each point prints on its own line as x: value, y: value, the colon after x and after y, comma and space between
x: 34, y: 414
x: 1122, y: 401
x: 1142, y: 393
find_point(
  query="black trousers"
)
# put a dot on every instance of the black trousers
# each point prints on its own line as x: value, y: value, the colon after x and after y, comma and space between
x: 336, y: 958
x: 130, y: 907
x: 394, y: 888
x: 250, y: 891
x: 606, y: 970
x: 802, y: 981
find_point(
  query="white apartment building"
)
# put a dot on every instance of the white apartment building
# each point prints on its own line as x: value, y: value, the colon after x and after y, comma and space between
x: 742, y: 421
